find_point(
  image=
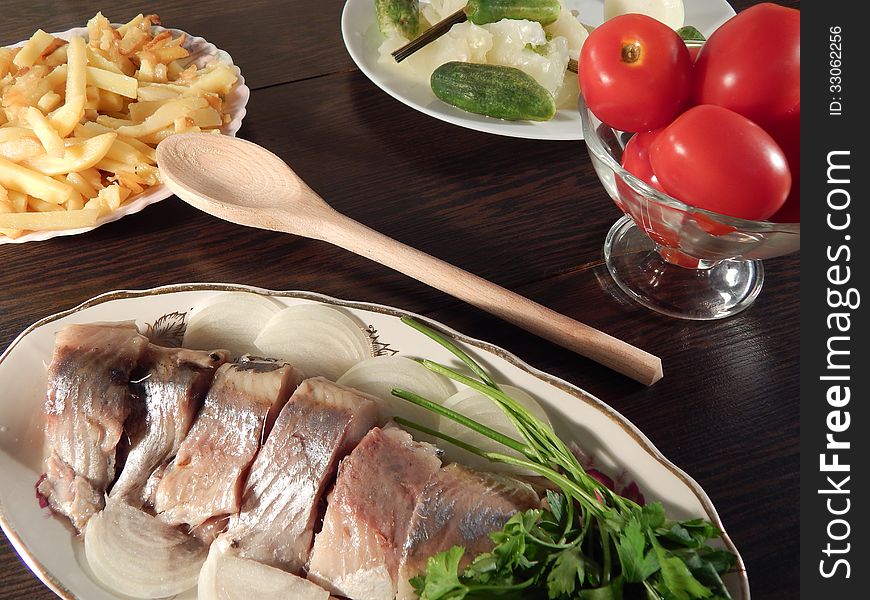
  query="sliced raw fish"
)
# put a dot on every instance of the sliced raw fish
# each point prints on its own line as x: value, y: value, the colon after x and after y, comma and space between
x: 209, y: 531
x: 459, y: 507
x: 320, y: 424
x: 170, y: 384
x: 206, y: 477
x: 87, y: 402
x: 357, y: 553
x: 149, y: 490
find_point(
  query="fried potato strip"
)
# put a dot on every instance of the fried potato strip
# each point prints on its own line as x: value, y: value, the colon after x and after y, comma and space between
x: 80, y: 119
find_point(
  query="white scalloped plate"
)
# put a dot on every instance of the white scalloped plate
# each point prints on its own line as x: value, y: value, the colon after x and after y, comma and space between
x: 361, y: 37
x: 201, y: 52
x: 49, y: 548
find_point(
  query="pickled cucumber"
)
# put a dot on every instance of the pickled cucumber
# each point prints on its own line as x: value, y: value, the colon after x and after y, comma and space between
x: 493, y: 90
x: 481, y: 12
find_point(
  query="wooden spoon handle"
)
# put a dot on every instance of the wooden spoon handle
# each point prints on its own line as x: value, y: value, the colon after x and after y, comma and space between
x: 522, y: 312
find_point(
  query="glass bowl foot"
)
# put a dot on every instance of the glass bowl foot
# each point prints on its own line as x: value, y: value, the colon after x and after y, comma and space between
x: 714, y: 290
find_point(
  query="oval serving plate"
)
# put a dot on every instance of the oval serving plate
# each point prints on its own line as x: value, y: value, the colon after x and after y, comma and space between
x: 52, y: 551
x: 359, y: 30
x: 201, y: 53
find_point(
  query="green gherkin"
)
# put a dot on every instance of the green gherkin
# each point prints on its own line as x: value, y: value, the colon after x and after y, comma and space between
x: 493, y: 90
x: 481, y: 12
x: 400, y: 17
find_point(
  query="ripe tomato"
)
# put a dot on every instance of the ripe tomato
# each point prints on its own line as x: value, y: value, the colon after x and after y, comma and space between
x: 787, y: 134
x: 751, y: 64
x: 635, y: 73
x: 713, y: 158
x: 635, y: 157
x: 661, y: 223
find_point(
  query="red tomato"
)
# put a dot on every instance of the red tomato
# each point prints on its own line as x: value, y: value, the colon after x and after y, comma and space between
x: 751, y: 64
x: 787, y: 134
x: 635, y: 73
x: 648, y: 214
x: 713, y: 158
x: 635, y: 157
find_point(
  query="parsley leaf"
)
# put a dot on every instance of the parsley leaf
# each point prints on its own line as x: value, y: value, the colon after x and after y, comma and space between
x: 638, y: 563
x: 442, y: 577
x: 568, y: 571
x: 510, y: 549
x: 678, y: 580
x: 690, y: 34
x: 652, y: 515
x: 630, y: 548
x: 556, y: 503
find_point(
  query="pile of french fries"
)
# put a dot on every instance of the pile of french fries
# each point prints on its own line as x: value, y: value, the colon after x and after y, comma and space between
x: 80, y: 120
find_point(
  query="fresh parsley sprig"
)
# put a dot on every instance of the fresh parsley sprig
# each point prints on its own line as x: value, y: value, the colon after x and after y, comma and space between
x: 587, y: 543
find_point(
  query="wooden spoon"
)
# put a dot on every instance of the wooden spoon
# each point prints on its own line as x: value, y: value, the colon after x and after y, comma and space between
x: 241, y: 182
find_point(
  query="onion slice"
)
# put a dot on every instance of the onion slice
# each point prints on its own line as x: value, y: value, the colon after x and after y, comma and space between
x: 378, y: 376
x: 139, y: 555
x: 478, y: 407
x: 228, y: 577
x: 231, y: 320
x: 315, y: 338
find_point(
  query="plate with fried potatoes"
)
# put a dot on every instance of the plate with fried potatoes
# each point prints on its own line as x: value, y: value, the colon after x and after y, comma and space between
x: 82, y: 111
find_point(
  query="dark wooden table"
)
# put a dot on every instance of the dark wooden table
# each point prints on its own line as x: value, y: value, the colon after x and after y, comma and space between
x: 529, y: 215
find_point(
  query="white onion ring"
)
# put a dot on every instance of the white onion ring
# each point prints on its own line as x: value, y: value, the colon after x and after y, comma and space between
x: 139, y: 555
x: 315, y: 338
x: 231, y: 320
x: 378, y: 376
x: 228, y: 577
x: 476, y: 406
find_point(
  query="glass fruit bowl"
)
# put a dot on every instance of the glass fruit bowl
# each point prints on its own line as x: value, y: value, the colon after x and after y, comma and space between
x: 675, y: 259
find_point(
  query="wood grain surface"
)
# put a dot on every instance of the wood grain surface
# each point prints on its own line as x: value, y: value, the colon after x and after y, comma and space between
x: 528, y: 215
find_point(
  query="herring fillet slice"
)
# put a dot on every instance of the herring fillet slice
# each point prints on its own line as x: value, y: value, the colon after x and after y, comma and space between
x: 320, y: 424
x: 171, y: 384
x: 459, y: 507
x: 357, y: 552
x: 206, y: 477
x: 87, y: 402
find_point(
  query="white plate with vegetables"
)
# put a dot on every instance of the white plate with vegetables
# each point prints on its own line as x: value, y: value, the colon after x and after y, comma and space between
x: 370, y: 346
x: 540, y: 52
